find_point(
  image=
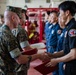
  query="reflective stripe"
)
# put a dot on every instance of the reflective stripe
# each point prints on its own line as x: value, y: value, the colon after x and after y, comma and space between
x: 31, y: 35
x: 15, y: 53
x: 24, y: 44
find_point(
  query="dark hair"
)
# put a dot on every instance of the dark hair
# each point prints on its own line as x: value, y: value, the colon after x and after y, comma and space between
x: 27, y: 18
x: 24, y: 11
x: 54, y: 11
x: 48, y: 12
x: 68, y: 5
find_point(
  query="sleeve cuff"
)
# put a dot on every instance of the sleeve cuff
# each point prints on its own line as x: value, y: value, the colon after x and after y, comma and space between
x: 15, y: 53
x: 24, y: 44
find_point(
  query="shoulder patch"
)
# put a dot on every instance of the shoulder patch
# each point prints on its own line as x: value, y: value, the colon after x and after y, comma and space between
x: 72, y: 32
x: 15, y: 31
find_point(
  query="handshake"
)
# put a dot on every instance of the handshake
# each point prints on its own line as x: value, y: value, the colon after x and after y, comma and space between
x: 45, y: 56
x: 45, y: 68
x: 48, y: 57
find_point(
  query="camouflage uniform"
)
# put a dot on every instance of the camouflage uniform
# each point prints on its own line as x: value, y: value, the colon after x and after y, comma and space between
x: 10, y: 47
x: 9, y: 50
x: 21, y: 36
x: 1, y: 62
x: 22, y: 39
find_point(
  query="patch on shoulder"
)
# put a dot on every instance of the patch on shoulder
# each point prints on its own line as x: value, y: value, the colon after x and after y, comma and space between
x: 72, y: 32
x: 15, y: 31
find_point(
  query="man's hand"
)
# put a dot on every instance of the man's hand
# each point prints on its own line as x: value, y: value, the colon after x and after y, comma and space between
x: 53, y: 62
x: 49, y: 54
x: 44, y: 57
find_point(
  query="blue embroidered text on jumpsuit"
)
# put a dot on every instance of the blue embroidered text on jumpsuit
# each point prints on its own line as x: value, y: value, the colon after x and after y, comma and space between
x: 53, y: 36
x: 59, y: 48
x: 46, y: 31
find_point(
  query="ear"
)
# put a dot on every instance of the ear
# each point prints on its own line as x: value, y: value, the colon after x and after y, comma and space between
x: 56, y: 18
x: 67, y: 12
x: 13, y: 18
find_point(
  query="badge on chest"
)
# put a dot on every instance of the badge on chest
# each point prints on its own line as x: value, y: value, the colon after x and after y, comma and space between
x: 59, y: 32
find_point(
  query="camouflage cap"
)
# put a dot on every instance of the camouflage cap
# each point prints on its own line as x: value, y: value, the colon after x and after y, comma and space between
x: 16, y: 10
x: 24, y: 11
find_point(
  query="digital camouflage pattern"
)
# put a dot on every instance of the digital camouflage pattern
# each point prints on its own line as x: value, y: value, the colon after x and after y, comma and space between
x: 10, y: 48
x: 8, y: 44
x: 21, y: 36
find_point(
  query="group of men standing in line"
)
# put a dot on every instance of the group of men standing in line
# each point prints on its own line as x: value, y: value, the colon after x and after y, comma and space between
x: 60, y: 38
x: 60, y: 41
x: 54, y: 35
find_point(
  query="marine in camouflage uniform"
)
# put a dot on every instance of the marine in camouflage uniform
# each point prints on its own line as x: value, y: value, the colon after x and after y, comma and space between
x: 22, y: 39
x: 12, y: 58
x: 1, y: 61
x: 21, y: 36
x: 9, y: 42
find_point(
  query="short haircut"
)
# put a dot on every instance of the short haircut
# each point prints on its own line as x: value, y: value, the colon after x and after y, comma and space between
x: 24, y: 11
x: 54, y: 11
x: 68, y: 5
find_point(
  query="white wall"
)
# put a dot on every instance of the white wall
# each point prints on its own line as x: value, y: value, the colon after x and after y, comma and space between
x: 3, y: 4
x: 2, y: 8
x: 37, y: 3
x: 17, y: 3
x: 32, y: 4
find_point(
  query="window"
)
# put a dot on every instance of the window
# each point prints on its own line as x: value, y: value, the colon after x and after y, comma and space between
x: 47, y: 1
x: 27, y: 1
